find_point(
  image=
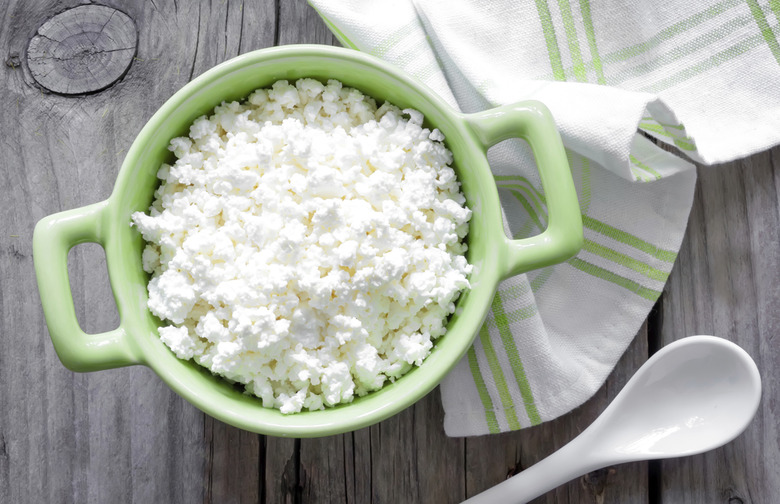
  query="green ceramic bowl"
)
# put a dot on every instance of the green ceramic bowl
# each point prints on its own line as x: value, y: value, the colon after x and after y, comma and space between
x: 493, y: 255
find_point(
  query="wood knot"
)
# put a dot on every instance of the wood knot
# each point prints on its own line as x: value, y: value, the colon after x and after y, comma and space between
x: 82, y: 50
x: 13, y: 61
x: 595, y: 483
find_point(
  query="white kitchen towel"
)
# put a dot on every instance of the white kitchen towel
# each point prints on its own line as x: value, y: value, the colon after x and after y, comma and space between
x: 701, y: 76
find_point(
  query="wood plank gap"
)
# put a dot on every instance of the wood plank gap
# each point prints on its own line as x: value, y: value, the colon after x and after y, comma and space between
x: 348, y: 496
x: 371, y: 460
x: 241, y: 29
x: 344, y: 466
x: 654, y: 482
x: 465, y: 468
x: 208, y: 433
x: 197, y: 44
x: 298, y: 490
x: 227, y: 18
x: 354, y: 467
x: 277, y: 10
x: 261, y: 452
x: 654, y: 343
x: 654, y: 324
x: 649, y: 137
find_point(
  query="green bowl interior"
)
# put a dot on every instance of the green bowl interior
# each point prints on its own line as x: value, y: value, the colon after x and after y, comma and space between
x: 234, y: 80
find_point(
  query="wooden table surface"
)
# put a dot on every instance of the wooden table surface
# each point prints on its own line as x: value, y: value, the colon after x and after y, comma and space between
x: 122, y: 435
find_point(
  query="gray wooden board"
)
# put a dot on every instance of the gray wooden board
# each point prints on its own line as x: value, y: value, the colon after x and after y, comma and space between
x: 727, y: 283
x: 122, y: 435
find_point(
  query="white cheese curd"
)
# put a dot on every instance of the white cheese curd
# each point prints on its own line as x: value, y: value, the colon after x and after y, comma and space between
x: 306, y: 243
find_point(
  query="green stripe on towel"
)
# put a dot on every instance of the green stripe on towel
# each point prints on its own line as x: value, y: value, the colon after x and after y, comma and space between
x: 571, y: 37
x: 534, y: 220
x: 513, y: 316
x: 664, y: 35
x: 689, y: 50
x: 669, y: 33
x: 514, y: 359
x: 587, y: 21
x: 643, y: 166
x: 550, y: 39
x: 775, y: 6
x: 628, y: 239
x: 498, y: 376
x: 610, y: 232
x: 484, y: 396
x: 531, y: 213
x: 536, y: 197
x: 640, y: 175
x: 713, y: 61
x: 537, y: 194
x: 763, y: 26
x: 541, y: 278
x: 667, y: 126
x: 624, y: 260
x: 516, y: 291
x: 685, y: 143
x: 609, y: 276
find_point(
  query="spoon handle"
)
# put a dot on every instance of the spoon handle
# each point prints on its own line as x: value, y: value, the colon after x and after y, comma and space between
x: 571, y: 461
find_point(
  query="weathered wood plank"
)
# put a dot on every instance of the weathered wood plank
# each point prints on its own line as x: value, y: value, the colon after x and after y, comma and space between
x: 283, y: 482
x: 408, y: 458
x: 727, y: 283
x: 234, y: 460
x: 490, y: 459
x: 300, y: 24
x: 120, y: 435
x: 327, y: 469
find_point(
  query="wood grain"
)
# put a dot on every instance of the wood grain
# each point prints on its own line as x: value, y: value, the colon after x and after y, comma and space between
x: 232, y: 472
x: 727, y: 283
x: 123, y: 436
x: 411, y: 459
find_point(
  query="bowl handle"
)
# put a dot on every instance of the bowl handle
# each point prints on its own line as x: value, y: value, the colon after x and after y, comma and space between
x: 54, y: 236
x: 532, y: 121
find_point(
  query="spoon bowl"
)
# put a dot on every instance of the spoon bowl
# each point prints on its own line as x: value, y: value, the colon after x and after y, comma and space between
x: 692, y: 396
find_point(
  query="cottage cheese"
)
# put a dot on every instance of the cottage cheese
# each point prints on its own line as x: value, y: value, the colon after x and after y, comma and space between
x: 306, y: 243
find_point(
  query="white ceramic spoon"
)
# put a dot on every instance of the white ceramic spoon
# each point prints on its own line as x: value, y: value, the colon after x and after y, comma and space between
x: 692, y: 396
